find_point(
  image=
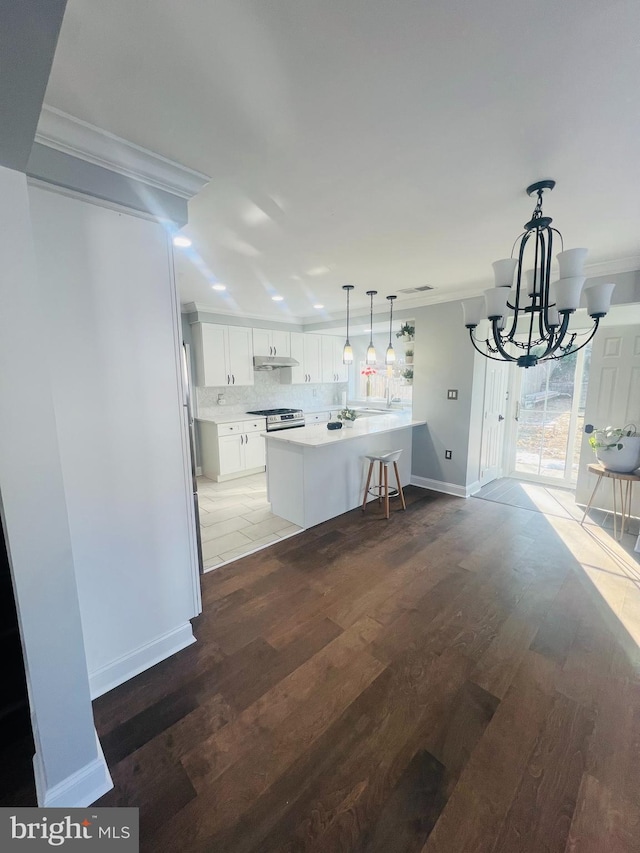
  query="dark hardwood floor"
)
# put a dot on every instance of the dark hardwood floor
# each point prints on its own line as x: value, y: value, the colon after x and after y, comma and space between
x: 445, y: 681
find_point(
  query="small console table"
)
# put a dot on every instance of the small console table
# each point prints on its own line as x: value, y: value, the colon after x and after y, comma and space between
x: 625, y: 482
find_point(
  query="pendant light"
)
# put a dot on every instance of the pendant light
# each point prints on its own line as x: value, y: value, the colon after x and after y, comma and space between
x: 390, y: 355
x: 347, y: 352
x: 371, y: 350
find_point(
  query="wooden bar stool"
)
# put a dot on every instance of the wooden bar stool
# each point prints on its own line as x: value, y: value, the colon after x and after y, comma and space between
x: 382, y: 489
x: 625, y: 496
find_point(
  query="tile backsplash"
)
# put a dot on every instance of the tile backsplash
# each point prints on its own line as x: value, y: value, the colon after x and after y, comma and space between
x: 268, y: 393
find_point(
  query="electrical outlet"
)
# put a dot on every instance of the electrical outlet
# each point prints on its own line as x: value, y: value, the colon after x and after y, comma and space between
x: 452, y: 394
x: 447, y: 454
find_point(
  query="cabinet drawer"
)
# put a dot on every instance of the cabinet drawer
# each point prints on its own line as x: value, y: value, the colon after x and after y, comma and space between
x: 237, y: 427
x: 234, y: 428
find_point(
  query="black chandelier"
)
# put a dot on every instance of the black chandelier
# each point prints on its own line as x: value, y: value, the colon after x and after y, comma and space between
x: 541, y: 308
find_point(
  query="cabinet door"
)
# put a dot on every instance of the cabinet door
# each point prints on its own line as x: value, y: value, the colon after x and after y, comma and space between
x: 312, y: 357
x: 328, y: 358
x: 254, y: 450
x: 342, y: 370
x: 212, y: 368
x: 262, y: 342
x: 231, y: 452
x: 240, y: 348
x: 281, y: 342
x: 298, y: 374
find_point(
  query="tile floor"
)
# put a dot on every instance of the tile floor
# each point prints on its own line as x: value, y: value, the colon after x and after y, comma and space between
x: 236, y: 519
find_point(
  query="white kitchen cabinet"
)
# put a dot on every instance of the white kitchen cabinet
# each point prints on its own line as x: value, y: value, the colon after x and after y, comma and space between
x: 224, y: 355
x: 298, y: 374
x: 312, y: 358
x: 317, y: 417
x: 234, y: 449
x: 240, y: 355
x: 342, y: 369
x: 254, y: 450
x: 332, y: 369
x: 231, y: 456
x: 269, y: 342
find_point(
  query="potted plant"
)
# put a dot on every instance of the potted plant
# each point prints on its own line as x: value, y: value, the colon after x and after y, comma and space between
x: 368, y: 371
x: 407, y: 332
x: 347, y: 416
x: 407, y: 375
x: 408, y: 356
x: 617, y: 448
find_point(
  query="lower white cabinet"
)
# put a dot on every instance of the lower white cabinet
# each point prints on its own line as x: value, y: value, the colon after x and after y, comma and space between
x: 232, y: 450
x: 317, y: 418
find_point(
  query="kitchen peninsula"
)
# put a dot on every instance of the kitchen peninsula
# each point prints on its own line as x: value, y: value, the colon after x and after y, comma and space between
x: 314, y: 474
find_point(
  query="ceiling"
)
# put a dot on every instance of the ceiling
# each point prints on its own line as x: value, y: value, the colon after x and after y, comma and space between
x: 382, y: 144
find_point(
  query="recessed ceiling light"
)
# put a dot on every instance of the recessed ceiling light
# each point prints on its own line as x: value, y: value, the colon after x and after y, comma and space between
x: 318, y: 306
x: 277, y: 298
x: 181, y: 241
x: 219, y: 286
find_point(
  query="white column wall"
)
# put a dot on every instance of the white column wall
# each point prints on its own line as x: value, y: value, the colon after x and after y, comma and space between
x: 113, y: 336
x: 70, y: 770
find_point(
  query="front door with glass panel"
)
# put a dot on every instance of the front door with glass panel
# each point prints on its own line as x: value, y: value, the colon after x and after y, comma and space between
x: 549, y: 419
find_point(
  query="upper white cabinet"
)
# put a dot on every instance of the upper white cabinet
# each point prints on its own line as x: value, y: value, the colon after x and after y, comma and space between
x: 333, y: 370
x: 224, y: 355
x: 270, y: 343
x: 306, y: 350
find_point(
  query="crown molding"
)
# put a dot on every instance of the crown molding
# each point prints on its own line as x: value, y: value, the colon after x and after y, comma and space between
x: 197, y: 307
x: 70, y: 135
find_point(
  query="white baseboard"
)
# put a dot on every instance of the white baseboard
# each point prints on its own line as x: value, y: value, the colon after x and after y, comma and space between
x: 118, y: 671
x: 79, y: 790
x: 445, y: 488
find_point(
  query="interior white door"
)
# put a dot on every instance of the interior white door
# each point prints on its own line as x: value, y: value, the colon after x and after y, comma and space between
x: 494, y: 419
x: 613, y: 398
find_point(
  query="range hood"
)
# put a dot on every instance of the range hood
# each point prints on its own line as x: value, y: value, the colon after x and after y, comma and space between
x: 273, y: 362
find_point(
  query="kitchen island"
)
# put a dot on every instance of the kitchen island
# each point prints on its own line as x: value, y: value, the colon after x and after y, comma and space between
x: 314, y: 474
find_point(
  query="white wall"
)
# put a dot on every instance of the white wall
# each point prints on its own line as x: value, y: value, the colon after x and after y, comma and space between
x: 112, y: 334
x: 70, y: 768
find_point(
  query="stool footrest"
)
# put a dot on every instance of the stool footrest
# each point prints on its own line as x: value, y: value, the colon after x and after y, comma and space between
x: 379, y: 490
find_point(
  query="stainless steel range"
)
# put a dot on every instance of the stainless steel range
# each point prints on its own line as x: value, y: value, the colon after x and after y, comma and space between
x: 281, y: 418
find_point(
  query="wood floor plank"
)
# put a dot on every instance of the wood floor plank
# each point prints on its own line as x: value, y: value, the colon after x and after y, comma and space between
x: 399, y: 686
x: 480, y: 801
x: 541, y: 813
x: 603, y: 823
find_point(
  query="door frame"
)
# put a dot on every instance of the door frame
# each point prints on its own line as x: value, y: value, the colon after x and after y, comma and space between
x: 510, y: 444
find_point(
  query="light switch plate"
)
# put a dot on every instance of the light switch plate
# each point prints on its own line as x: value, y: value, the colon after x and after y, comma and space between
x: 447, y: 454
x: 452, y: 394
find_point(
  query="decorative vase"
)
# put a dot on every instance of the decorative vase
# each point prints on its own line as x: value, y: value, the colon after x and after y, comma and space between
x: 348, y: 424
x: 368, y: 388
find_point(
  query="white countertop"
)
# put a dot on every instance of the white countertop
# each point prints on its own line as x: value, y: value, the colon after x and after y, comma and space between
x: 317, y: 435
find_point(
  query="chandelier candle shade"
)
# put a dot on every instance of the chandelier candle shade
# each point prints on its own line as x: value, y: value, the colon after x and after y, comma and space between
x: 390, y: 355
x: 371, y: 350
x: 527, y: 329
x: 347, y: 352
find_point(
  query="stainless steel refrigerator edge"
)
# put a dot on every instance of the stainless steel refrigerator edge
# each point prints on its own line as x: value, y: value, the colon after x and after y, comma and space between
x: 192, y: 448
